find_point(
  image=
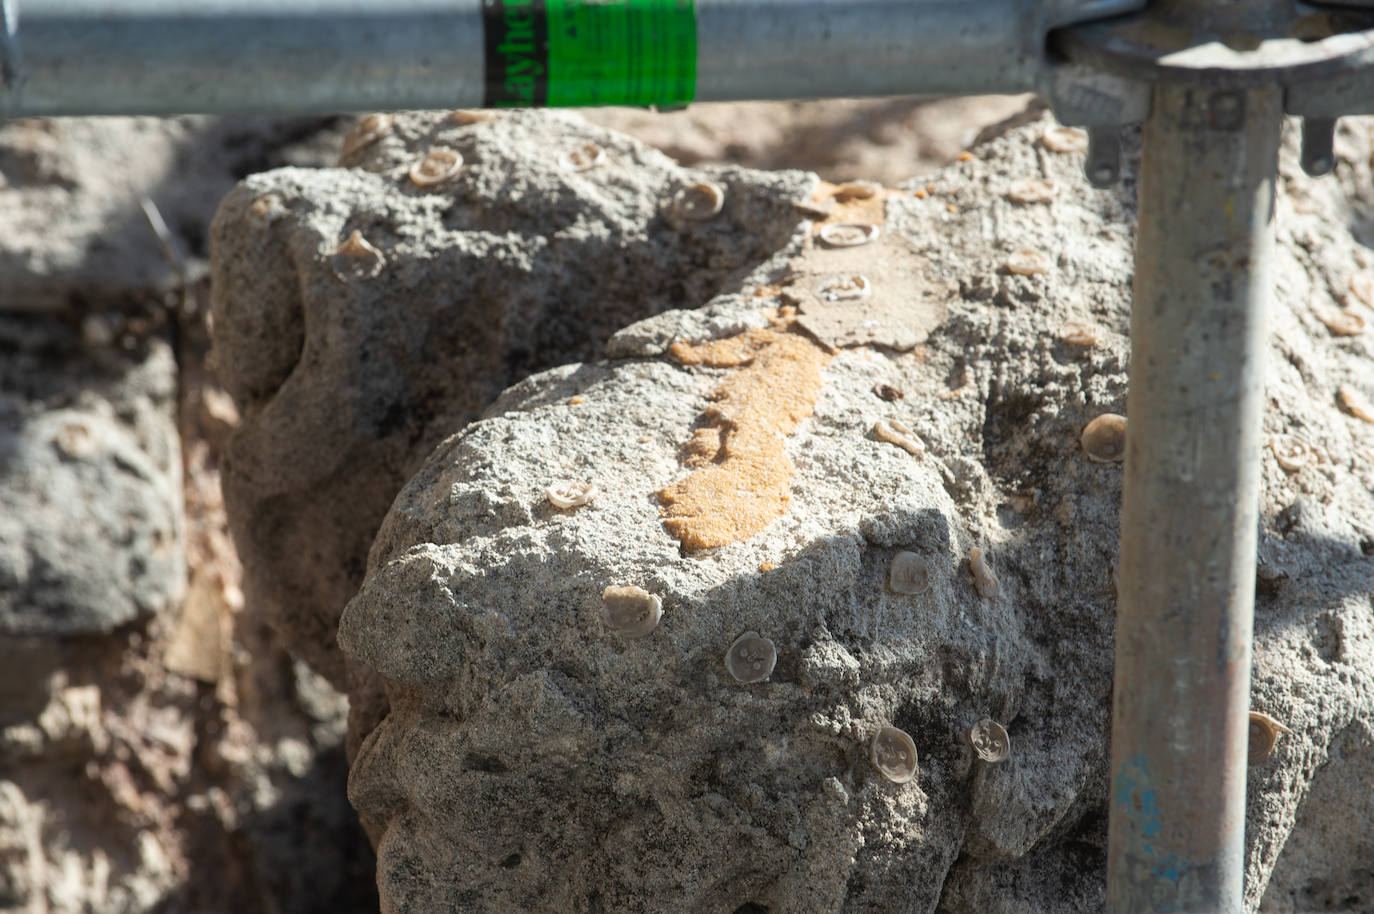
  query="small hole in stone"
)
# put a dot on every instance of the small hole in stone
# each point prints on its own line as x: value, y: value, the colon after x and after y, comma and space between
x: 486, y: 763
x: 751, y: 907
x: 511, y: 862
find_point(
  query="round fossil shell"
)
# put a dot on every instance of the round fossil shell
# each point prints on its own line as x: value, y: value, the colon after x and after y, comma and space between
x: 1342, y: 322
x: 1028, y: 262
x: 631, y: 611
x: 852, y: 287
x: 990, y: 740
x: 437, y: 166
x: 848, y: 234
x: 1264, y: 734
x: 1104, y: 438
x: 355, y: 259
x: 1080, y: 333
x: 1291, y: 452
x: 893, y: 753
x: 984, y: 581
x: 1357, y: 403
x: 894, y: 432
x: 369, y: 129
x: 1065, y: 139
x: 910, y: 573
x: 1031, y: 190
x: 583, y: 158
x: 700, y: 201
x: 74, y: 439
x: 751, y: 658
x: 571, y: 494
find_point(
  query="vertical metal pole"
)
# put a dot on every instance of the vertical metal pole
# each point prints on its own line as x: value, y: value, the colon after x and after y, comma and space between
x: 1188, y: 523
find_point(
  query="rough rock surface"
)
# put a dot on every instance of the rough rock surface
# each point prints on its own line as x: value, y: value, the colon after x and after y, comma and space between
x: 159, y: 751
x: 533, y: 760
x: 91, y: 531
x: 517, y: 263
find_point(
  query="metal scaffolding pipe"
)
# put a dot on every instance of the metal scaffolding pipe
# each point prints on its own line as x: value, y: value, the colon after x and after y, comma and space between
x: 64, y: 57
x: 1190, y: 502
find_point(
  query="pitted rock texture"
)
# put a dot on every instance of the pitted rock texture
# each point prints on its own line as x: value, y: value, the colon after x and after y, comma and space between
x: 91, y: 533
x: 517, y: 263
x: 533, y: 760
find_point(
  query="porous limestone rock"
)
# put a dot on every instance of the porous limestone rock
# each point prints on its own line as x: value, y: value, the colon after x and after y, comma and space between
x: 90, y: 480
x: 535, y: 760
x: 346, y: 379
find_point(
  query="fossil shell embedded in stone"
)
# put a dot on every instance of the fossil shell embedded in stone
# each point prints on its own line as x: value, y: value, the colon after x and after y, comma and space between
x: 1356, y: 403
x: 466, y: 116
x: 984, y: 580
x: 75, y: 440
x: 888, y: 392
x: 1065, y: 139
x: 1264, y: 734
x: 1342, y: 322
x: 1104, y: 438
x: 1080, y: 333
x: 910, y: 573
x: 848, y: 234
x: 1031, y: 190
x: 845, y: 287
x: 1290, y: 452
x: 583, y: 158
x: 751, y: 658
x: 571, y: 494
x: 356, y: 259
x: 437, y: 166
x: 631, y: 611
x: 894, y: 432
x: 1362, y: 287
x: 265, y: 210
x: 856, y: 190
x: 369, y: 129
x: 1028, y: 262
x: 990, y: 740
x: 893, y: 753
x: 700, y: 201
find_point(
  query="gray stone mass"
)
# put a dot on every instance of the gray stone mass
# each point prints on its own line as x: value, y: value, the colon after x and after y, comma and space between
x: 533, y: 759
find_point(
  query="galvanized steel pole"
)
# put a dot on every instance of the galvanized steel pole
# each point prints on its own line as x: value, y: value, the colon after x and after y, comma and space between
x: 1191, y: 491
x: 62, y: 57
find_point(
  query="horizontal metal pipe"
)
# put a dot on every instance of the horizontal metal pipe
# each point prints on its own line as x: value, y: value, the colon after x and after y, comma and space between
x: 268, y: 56
x: 164, y: 56
x: 763, y: 49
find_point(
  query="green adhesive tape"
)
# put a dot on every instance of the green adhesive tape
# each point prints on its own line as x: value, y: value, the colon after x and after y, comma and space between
x: 590, y: 52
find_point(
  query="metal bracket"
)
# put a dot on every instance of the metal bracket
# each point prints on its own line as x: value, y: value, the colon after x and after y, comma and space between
x: 1324, y: 61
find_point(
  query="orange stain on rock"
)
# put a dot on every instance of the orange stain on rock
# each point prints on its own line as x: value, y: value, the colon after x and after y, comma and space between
x: 741, y: 477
